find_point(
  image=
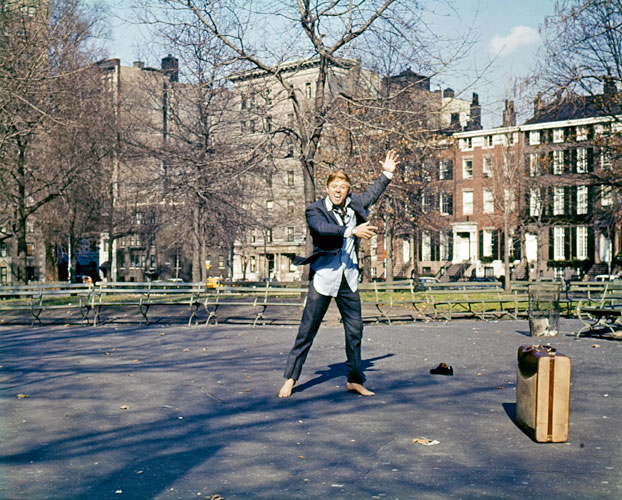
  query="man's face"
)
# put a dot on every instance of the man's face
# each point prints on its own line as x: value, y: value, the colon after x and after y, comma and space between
x: 337, y: 191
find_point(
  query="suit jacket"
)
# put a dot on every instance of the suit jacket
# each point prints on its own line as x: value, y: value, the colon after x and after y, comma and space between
x: 326, y: 232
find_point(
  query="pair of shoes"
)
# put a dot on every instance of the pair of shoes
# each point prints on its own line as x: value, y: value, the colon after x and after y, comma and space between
x: 442, y: 369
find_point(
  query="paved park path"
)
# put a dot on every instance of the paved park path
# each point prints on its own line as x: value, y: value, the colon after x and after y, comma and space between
x: 176, y: 412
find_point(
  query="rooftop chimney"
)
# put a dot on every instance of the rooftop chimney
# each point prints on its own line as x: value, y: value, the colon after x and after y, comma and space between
x: 139, y: 64
x: 609, y: 85
x: 475, y: 122
x: 449, y: 92
x: 170, y: 67
x: 509, y: 114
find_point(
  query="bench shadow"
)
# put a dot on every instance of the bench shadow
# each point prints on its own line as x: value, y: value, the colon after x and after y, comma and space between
x: 337, y: 370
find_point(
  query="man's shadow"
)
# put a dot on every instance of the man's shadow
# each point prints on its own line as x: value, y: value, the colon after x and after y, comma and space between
x: 337, y: 370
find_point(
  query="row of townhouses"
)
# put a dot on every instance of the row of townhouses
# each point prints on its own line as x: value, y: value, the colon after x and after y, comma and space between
x: 531, y: 195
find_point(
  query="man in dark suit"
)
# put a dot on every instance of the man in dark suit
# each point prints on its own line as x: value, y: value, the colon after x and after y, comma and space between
x: 337, y: 223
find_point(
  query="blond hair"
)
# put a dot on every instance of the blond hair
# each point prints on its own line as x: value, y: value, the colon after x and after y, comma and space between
x: 339, y: 175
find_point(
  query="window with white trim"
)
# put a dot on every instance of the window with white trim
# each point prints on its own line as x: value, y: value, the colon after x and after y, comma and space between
x: 467, y: 168
x: 606, y: 196
x: 489, y: 201
x: 558, y: 201
x: 534, y: 137
x: 486, y: 243
x: 559, y: 243
x: 558, y: 135
x: 426, y: 247
x: 535, y: 203
x: 582, y: 133
x: 558, y: 162
x: 467, y: 202
x: 534, y: 164
x: 581, y: 160
x: 487, y: 166
x: 582, y: 242
x: 582, y: 203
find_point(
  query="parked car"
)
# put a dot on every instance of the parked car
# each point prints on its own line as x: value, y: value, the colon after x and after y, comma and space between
x: 424, y: 281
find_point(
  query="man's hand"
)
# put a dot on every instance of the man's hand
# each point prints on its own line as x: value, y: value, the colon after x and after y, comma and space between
x: 391, y: 161
x: 365, y: 231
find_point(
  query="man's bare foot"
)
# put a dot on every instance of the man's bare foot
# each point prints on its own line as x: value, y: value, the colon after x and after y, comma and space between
x: 352, y: 386
x: 286, y: 390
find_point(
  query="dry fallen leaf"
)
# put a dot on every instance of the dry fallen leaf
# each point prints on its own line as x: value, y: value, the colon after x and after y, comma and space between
x: 186, y: 350
x: 595, y: 346
x: 301, y: 457
x: 22, y: 396
x: 478, y: 374
x: 426, y: 441
x: 124, y: 407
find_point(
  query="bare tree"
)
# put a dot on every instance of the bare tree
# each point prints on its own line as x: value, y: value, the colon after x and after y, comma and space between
x: 42, y: 58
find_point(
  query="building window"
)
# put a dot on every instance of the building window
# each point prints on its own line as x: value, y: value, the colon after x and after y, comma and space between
x: 426, y: 247
x: 558, y: 162
x: 582, y: 197
x: 269, y: 204
x: 605, y: 159
x: 445, y: 169
x: 487, y: 167
x: 121, y: 259
x: 558, y: 201
x: 290, y: 206
x: 534, y: 164
x: 467, y: 202
x: 534, y: 137
x: 253, y: 264
x: 581, y: 160
x: 405, y: 250
x: 269, y: 235
x: 243, y: 126
x: 535, y: 203
x: 253, y: 126
x: 268, y: 124
x: 467, y: 169
x: 467, y: 143
x: 221, y: 262
x: 489, y: 201
x: 446, y: 203
x: 558, y: 135
x: 487, y: 243
x: 489, y: 141
x: 4, y: 275
x: 243, y: 103
x: 290, y: 178
x: 582, y: 242
x: 30, y: 249
x: 582, y: 133
x: 308, y: 90
x: 3, y: 250
x: 290, y: 234
x: 559, y: 243
x: 606, y: 196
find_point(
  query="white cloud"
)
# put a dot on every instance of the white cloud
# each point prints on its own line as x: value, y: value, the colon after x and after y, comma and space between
x: 520, y: 36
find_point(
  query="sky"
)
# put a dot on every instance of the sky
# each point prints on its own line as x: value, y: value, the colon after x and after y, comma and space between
x: 508, y: 41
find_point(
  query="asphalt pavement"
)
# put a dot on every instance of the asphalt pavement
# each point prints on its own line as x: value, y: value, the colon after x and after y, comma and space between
x: 176, y: 412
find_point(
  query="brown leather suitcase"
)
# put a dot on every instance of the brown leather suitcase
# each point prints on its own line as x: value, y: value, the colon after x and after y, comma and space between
x: 543, y: 393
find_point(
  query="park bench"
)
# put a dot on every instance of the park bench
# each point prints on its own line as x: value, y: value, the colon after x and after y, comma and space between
x: 144, y: 296
x: 388, y: 296
x: 601, y: 311
x: 257, y: 298
x: 478, y: 303
x: 41, y: 297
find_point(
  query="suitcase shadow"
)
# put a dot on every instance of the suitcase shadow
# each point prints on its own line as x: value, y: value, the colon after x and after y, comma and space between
x: 510, y: 410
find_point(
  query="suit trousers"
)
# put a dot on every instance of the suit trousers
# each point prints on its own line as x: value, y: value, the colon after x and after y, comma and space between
x: 349, y: 305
